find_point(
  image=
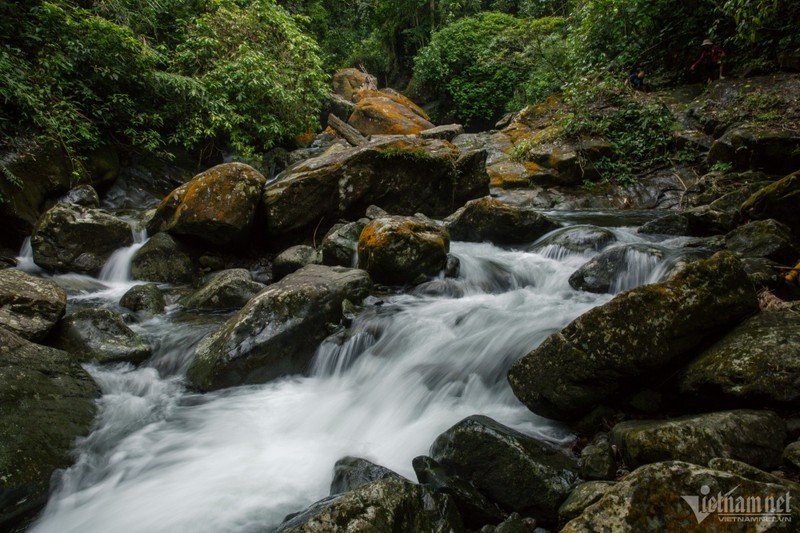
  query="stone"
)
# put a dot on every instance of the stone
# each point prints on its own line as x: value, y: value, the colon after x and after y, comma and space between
x: 447, y: 132
x: 217, y: 206
x: 756, y: 364
x: 791, y: 454
x: 396, y: 250
x: 83, y: 195
x: 339, y: 246
x: 671, y: 224
x: 99, y: 335
x: 517, y: 472
x: 578, y: 239
x: 749, y: 147
x: 764, y: 238
x: 227, y: 290
x: 778, y: 201
x: 389, y: 504
x: 753, y: 437
x: 30, y: 306
x: 582, y: 497
x: 293, y: 259
x: 47, y: 401
x: 597, y: 459
x: 611, y: 351
x: 750, y: 472
x: 608, y: 271
x: 383, y: 115
x: 146, y: 299
x: 278, y: 331
x: 489, y: 219
x: 163, y: 259
x: 347, y: 82
x: 73, y: 238
x: 350, y: 473
x: 654, y: 498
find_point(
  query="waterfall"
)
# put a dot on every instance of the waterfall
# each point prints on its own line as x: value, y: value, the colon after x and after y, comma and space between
x: 118, y: 267
x: 25, y: 258
x: 164, y: 459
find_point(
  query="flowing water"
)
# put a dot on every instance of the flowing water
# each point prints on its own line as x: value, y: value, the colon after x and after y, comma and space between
x: 164, y: 459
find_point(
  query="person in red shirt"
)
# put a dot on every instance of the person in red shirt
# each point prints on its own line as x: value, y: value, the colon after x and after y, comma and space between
x: 710, y: 60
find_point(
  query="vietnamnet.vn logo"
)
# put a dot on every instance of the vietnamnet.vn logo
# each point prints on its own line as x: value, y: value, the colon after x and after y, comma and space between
x: 734, y: 507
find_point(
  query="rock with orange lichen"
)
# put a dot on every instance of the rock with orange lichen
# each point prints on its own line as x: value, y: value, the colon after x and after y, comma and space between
x: 217, y: 206
x: 384, y: 115
x: 403, y: 176
x: 396, y: 250
x: 393, y: 95
x: 348, y: 81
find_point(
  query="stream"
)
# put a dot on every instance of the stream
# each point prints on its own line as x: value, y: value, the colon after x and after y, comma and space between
x: 162, y: 458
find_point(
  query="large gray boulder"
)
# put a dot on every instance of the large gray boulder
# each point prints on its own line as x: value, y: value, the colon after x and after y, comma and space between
x: 349, y: 473
x: 229, y: 289
x: 764, y: 238
x: 404, y: 176
x: 390, y: 504
x: 779, y: 201
x: 755, y: 364
x: 217, y: 206
x: 614, y: 349
x: 163, y: 259
x: 397, y: 250
x: 668, y: 495
x: 752, y: 147
x: 753, y: 437
x: 516, y: 471
x: 30, y: 306
x: 69, y: 237
x: 46, y: 402
x: 277, y: 332
x: 99, y: 335
x: 489, y: 219
x: 293, y: 259
x: 146, y: 299
x: 578, y: 239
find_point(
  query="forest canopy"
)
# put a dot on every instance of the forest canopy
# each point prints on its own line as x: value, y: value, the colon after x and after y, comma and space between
x: 247, y: 75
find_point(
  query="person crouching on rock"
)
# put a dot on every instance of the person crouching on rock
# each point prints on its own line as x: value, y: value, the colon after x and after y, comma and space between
x: 636, y: 80
x: 709, y: 61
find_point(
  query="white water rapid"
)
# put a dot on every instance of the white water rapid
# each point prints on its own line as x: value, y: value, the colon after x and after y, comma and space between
x: 163, y: 459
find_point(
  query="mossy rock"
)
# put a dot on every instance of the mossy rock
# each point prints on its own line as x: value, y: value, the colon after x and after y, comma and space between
x: 30, y: 306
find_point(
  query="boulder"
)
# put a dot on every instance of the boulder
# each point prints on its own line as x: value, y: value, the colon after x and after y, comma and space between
x: 347, y: 82
x: 617, y: 269
x: 773, y: 151
x: 488, y: 219
x: 349, y: 473
x: 755, y: 364
x: 99, y: 335
x: 403, y: 176
x: 579, y: 239
x: 473, y: 506
x: 750, y: 472
x: 508, y: 174
x: 384, y: 115
x: 447, y: 132
x: 397, y: 250
x: 663, y: 496
x: 597, y: 459
x: 277, y: 332
x: 293, y: 259
x: 764, y: 238
x: 516, y: 471
x: 339, y: 246
x: 778, y: 201
x: 753, y: 437
x: 30, y: 306
x: 73, y: 238
x: 46, y: 402
x: 83, y: 195
x: 706, y: 220
x: 217, y: 206
x: 611, y: 351
x: 146, y: 299
x: 229, y: 289
x: 390, y: 504
x: 582, y: 497
x: 163, y: 259
x: 791, y: 454
x: 671, y: 224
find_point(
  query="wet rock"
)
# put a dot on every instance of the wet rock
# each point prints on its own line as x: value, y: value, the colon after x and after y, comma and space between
x: 99, y: 335
x: 597, y: 459
x: 163, y: 259
x: 350, y: 473
x: 488, y: 219
x: 473, y: 506
x: 610, y: 351
x: 146, y: 299
x: 515, y: 471
x: 217, y: 206
x: 447, y: 132
x: 582, y: 497
x: 277, y: 332
x: 390, y: 504
x: 754, y: 437
x: 293, y: 259
x: 778, y: 201
x: 755, y: 364
x: 706, y: 220
x: 750, y: 472
x: 83, y: 195
x: 764, y: 238
x: 30, y: 306
x: 73, y: 238
x: 403, y: 176
x: 383, y: 115
x: 606, y: 272
x: 772, y: 151
x: 229, y: 289
x: 46, y: 402
x: 671, y: 224
x: 652, y: 498
x: 397, y: 250
x: 339, y: 246
x: 577, y: 239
